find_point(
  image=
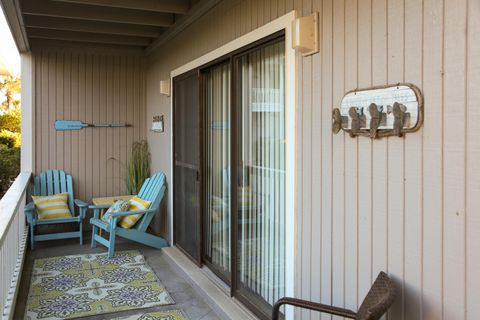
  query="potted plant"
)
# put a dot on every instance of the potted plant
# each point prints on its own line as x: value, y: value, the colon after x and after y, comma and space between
x: 138, y: 166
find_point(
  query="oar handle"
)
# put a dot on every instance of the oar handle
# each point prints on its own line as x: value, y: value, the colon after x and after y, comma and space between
x: 109, y: 125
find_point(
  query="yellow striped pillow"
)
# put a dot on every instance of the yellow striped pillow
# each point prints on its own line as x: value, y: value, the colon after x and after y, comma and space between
x: 52, y: 207
x: 136, y: 204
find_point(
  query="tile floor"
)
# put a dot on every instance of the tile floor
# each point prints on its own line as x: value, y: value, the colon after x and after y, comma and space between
x: 181, y: 291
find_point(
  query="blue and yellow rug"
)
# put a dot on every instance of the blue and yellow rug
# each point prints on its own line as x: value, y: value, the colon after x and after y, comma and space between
x: 158, y: 315
x: 82, y: 285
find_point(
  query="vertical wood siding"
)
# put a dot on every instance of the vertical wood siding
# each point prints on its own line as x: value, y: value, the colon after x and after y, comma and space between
x: 408, y: 206
x: 93, y: 86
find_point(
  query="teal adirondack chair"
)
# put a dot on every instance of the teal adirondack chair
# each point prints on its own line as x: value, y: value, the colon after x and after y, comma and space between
x: 48, y: 183
x: 153, y: 189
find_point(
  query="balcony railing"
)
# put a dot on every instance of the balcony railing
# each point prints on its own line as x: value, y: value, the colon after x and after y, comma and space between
x: 13, y: 234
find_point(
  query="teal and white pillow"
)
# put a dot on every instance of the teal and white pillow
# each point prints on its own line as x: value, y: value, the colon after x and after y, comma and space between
x: 117, y: 206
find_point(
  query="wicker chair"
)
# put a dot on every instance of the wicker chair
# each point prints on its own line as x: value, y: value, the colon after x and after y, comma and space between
x: 379, y: 298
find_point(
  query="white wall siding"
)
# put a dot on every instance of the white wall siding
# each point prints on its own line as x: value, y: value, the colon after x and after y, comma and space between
x: 432, y: 211
x: 405, y: 205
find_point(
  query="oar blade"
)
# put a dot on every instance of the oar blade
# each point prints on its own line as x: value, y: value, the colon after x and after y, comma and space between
x: 62, y: 125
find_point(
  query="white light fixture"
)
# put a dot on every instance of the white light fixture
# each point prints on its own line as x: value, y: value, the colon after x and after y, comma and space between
x: 165, y: 87
x: 305, y: 34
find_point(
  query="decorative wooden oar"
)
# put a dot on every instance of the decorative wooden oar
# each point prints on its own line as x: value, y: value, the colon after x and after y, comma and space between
x: 62, y: 125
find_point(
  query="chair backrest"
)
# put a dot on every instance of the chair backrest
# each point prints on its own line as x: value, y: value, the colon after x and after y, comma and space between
x: 50, y: 182
x: 379, y: 298
x: 152, y: 190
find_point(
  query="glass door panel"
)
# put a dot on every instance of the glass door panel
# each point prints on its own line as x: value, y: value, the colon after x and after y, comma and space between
x: 261, y: 184
x: 217, y: 185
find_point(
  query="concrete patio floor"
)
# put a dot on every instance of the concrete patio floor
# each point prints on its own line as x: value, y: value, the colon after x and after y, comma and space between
x: 185, y: 296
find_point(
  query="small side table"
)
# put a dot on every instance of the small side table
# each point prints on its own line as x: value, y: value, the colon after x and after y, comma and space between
x: 108, y: 201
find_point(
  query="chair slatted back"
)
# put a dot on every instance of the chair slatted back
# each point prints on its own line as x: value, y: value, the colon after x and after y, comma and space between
x: 152, y: 190
x: 50, y: 182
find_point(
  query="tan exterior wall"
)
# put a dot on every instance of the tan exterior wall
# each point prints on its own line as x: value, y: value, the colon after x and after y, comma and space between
x: 408, y: 206
x: 92, y: 85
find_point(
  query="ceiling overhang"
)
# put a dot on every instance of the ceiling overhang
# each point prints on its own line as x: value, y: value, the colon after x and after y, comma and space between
x: 144, y: 24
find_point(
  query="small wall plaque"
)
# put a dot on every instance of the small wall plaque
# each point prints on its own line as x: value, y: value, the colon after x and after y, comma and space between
x: 157, y: 124
x: 380, y: 111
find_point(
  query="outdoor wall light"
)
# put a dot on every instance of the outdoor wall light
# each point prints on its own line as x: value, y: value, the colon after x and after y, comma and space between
x: 165, y: 87
x: 305, y: 34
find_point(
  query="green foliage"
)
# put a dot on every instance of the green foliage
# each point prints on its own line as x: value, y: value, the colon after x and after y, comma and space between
x: 10, y: 139
x: 10, y: 120
x: 6, y: 139
x: 10, y: 117
x: 9, y: 166
x: 10, y: 87
x: 138, y: 167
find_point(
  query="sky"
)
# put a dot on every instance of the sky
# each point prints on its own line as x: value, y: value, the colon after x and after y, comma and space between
x: 8, y: 50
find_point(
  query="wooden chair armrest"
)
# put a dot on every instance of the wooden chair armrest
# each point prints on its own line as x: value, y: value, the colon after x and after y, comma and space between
x: 82, y: 206
x: 29, y: 210
x: 115, y: 216
x: 80, y: 203
x: 102, y: 206
x: 311, y: 306
x: 30, y: 206
x: 128, y: 213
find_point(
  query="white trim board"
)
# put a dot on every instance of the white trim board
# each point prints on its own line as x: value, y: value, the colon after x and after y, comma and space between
x: 282, y: 23
x: 27, y: 159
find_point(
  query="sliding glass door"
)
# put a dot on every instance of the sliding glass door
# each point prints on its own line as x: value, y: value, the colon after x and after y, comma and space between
x: 260, y: 109
x: 241, y: 172
x: 217, y: 166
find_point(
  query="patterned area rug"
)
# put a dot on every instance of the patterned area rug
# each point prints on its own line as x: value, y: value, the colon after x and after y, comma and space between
x: 158, y: 315
x: 81, y: 285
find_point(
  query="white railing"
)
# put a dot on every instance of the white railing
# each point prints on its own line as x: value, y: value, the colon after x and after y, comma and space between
x: 13, y: 234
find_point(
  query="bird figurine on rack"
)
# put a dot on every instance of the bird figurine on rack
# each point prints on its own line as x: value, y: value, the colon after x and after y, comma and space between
x: 336, y: 121
x: 398, y: 111
x: 376, y: 117
x: 356, y: 114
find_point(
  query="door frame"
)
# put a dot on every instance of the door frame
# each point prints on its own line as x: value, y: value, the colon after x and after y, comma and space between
x: 283, y: 23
